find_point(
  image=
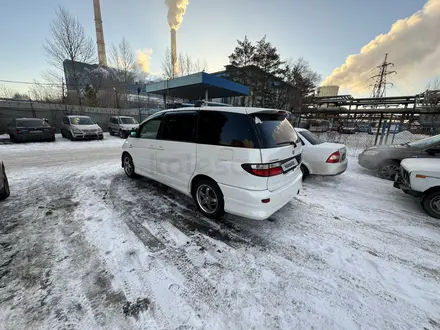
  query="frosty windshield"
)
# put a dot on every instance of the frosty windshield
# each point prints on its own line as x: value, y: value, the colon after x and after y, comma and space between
x: 128, y: 120
x: 427, y: 142
x: 81, y: 121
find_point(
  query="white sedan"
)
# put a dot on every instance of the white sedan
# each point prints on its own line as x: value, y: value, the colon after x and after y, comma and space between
x: 319, y: 157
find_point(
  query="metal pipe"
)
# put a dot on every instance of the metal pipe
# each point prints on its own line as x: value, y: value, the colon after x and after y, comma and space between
x: 378, y: 129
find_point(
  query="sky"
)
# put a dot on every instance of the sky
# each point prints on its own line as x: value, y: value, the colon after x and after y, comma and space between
x: 324, y: 32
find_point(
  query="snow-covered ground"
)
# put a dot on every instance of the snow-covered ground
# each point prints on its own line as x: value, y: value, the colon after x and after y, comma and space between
x: 84, y: 247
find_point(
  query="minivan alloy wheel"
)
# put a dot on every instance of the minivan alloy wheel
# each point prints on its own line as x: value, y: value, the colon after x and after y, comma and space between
x: 207, y: 199
x: 128, y: 166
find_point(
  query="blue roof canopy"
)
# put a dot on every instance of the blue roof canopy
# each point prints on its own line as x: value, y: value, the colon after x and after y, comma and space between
x: 194, y: 87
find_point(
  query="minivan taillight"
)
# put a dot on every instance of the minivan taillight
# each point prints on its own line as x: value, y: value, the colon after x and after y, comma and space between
x: 17, y: 131
x: 264, y: 170
x: 334, y: 157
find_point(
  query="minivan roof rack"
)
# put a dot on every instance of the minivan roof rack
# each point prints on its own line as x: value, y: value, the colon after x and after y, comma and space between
x: 209, y: 103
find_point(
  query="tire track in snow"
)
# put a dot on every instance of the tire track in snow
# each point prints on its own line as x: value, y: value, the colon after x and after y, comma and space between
x: 195, y: 287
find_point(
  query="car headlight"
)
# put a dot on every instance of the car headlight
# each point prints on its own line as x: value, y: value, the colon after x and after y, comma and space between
x: 76, y: 131
x: 370, y: 152
x: 99, y: 130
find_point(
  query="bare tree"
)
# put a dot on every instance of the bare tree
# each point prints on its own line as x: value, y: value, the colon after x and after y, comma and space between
x: 123, y: 59
x: 68, y: 41
x: 185, y: 65
x: 47, y: 93
x: 6, y: 92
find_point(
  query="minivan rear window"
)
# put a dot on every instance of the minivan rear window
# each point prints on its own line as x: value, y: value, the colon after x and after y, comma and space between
x: 226, y: 129
x: 275, y: 130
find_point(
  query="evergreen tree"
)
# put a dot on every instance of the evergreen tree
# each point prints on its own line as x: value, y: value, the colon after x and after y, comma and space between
x: 268, y: 59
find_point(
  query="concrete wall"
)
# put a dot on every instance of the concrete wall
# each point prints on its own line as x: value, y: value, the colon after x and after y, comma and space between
x: 10, y: 110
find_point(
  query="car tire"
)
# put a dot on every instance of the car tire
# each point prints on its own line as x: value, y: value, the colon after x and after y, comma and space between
x: 110, y: 131
x: 205, y: 191
x: 387, y: 170
x: 62, y: 134
x: 5, y: 191
x: 122, y: 134
x: 305, y: 171
x: 431, y: 204
x: 128, y: 166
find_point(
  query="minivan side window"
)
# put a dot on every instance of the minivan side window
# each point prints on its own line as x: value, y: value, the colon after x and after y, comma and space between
x: 179, y: 127
x: 226, y: 129
x: 150, y: 129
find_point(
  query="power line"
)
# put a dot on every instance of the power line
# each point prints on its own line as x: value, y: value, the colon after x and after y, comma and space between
x: 380, y: 85
x: 28, y: 83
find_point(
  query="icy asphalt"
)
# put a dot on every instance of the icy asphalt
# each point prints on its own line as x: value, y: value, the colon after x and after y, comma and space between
x: 84, y: 247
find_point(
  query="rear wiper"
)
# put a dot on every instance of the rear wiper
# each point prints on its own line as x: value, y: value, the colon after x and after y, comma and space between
x: 287, y: 142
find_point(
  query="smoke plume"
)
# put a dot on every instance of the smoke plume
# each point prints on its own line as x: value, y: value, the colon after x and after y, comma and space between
x: 176, y: 10
x: 412, y: 44
x: 143, y: 58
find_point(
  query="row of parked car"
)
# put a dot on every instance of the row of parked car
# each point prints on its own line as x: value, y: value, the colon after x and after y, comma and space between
x: 72, y: 127
x: 414, y: 167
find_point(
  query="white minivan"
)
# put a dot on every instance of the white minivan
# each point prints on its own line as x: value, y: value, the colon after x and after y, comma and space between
x: 244, y: 161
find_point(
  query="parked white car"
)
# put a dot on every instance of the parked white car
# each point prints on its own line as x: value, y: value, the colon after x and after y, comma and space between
x: 80, y: 128
x: 421, y: 178
x: 4, y: 184
x: 122, y: 125
x: 244, y: 161
x: 321, y: 158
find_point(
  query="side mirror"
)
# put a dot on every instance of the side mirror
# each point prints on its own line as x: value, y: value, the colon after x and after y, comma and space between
x: 133, y: 134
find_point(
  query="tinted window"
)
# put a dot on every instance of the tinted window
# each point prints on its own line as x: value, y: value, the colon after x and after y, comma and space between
x: 226, y: 129
x: 31, y: 123
x: 150, y: 129
x: 312, y: 138
x: 179, y: 127
x: 81, y: 121
x: 275, y: 130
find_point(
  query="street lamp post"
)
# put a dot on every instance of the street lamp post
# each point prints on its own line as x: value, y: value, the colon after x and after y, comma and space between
x: 139, y: 105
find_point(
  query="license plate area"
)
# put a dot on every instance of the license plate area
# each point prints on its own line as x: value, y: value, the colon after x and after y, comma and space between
x: 289, y: 164
x: 36, y: 132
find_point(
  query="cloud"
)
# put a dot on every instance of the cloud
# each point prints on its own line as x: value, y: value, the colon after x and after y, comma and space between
x: 412, y: 44
x: 143, y: 59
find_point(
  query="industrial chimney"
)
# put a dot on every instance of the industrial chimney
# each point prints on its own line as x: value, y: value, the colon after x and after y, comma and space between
x: 99, y: 34
x: 173, y: 53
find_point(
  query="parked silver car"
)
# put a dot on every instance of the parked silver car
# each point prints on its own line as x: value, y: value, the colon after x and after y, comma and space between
x: 4, y: 185
x: 122, y: 125
x: 80, y: 128
x: 385, y: 159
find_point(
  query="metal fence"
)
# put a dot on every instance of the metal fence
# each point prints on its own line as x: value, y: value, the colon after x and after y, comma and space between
x: 358, y: 142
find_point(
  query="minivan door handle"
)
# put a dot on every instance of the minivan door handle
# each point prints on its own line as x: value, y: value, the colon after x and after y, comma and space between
x: 160, y: 148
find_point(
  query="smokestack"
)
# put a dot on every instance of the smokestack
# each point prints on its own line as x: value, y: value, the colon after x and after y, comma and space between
x: 99, y: 34
x: 173, y: 52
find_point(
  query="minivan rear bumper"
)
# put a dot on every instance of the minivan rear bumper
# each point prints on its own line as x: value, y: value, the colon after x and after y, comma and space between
x: 248, y: 203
